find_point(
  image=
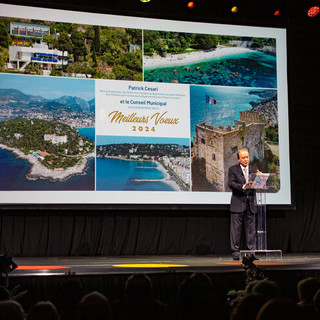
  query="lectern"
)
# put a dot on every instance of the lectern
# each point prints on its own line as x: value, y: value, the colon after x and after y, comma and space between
x: 263, y: 183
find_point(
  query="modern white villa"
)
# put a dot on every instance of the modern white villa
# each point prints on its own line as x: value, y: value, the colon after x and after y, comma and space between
x: 29, y: 48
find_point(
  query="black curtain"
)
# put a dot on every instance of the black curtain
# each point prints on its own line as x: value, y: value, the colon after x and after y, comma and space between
x: 110, y: 234
x: 72, y: 234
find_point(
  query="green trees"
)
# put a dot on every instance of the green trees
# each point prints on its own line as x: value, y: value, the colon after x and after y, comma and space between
x: 83, y: 67
x: 64, y: 44
x: 56, y: 73
x: 272, y: 134
x: 96, y: 45
x: 206, y: 41
x: 122, y: 72
x: 63, y: 27
x: 130, y: 60
x: 50, y: 41
x: 135, y: 36
x: 162, y: 42
x: 112, y: 58
x: 96, y: 51
x: 151, y: 42
x: 5, y: 39
x: 79, y: 48
x: 113, y: 41
x: 261, y: 42
x: 27, y: 135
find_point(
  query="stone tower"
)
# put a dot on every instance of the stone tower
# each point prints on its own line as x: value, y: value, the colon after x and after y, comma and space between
x: 219, y: 145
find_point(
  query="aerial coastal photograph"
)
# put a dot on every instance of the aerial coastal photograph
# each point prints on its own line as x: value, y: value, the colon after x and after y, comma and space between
x: 176, y: 57
x: 142, y: 164
x: 47, y: 133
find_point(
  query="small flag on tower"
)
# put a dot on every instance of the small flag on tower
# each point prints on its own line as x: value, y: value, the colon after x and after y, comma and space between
x: 210, y: 100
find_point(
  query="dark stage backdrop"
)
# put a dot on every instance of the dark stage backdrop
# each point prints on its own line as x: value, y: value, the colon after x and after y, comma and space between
x: 159, y: 232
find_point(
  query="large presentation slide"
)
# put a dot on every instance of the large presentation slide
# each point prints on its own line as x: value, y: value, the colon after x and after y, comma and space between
x: 105, y: 109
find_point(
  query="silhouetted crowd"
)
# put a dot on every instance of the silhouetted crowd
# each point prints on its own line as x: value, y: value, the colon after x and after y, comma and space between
x: 197, y: 299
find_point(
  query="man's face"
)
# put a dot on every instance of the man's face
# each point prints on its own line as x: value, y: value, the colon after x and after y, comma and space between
x: 244, y: 157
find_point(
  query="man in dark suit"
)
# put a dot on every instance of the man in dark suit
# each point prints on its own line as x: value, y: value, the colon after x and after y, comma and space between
x: 242, y: 207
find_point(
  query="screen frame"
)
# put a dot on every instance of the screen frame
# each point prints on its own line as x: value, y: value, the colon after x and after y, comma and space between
x: 126, y: 21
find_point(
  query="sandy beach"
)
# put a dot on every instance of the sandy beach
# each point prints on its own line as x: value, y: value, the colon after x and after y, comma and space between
x: 192, y: 57
x: 38, y: 171
x: 167, y: 178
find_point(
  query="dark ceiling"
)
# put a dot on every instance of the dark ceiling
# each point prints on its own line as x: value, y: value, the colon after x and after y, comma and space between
x: 250, y: 12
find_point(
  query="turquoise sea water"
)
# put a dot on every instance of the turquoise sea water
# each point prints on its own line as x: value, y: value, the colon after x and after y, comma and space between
x: 13, y: 176
x: 229, y: 102
x: 87, y: 132
x: 115, y: 174
x: 13, y: 173
x: 254, y: 69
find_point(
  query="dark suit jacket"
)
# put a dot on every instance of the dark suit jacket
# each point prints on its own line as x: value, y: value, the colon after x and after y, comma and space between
x: 240, y: 197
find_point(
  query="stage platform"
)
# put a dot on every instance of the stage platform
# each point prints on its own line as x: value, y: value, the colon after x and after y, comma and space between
x: 155, y: 264
x: 47, y: 278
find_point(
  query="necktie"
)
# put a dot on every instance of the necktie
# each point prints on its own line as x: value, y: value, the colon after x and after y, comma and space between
x: 245, y: 169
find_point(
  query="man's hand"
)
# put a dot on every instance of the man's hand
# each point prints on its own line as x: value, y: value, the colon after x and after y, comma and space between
x: 247, y: 185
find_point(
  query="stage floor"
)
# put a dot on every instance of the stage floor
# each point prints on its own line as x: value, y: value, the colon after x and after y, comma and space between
x: 155, y: 264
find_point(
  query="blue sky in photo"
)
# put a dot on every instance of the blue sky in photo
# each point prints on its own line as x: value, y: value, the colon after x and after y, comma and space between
x: 49, y: 87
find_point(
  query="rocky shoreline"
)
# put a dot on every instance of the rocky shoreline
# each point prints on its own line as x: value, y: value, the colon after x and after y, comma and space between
x: 38, y: 171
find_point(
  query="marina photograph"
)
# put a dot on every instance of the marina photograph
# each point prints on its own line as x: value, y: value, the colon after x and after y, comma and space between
x: 142, y: 164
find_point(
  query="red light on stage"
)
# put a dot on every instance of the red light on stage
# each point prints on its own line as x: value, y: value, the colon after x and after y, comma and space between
x: 191, y: 5
x: 313, y: 12
x: 277, y: 13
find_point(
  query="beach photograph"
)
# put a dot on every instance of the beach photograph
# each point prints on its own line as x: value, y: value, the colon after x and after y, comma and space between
x: 225, y: 119
x: 142, y: 164
x: 175, y: 57
x: 47, y: 133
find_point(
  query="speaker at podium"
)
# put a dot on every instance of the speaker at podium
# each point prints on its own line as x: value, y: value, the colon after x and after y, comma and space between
x: 263, y: 183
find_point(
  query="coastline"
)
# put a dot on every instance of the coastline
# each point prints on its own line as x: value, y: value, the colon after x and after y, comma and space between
x: 192, y: 57
x: 167, y: 178
x: 38, y: 171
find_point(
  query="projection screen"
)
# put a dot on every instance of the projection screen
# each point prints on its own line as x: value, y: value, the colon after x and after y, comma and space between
x: 106, y: 109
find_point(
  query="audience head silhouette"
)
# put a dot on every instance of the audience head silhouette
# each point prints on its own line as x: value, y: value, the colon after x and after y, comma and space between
x: 307, y: 288
x: 280, y: 309
x: 138, y: 286
x: 316, y: 300
x: 193, y: 289
x: 248, y: 306
x: 10, y: 309
x: 43, y: 310
x: 95, y: 306
x: 268, y: 288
